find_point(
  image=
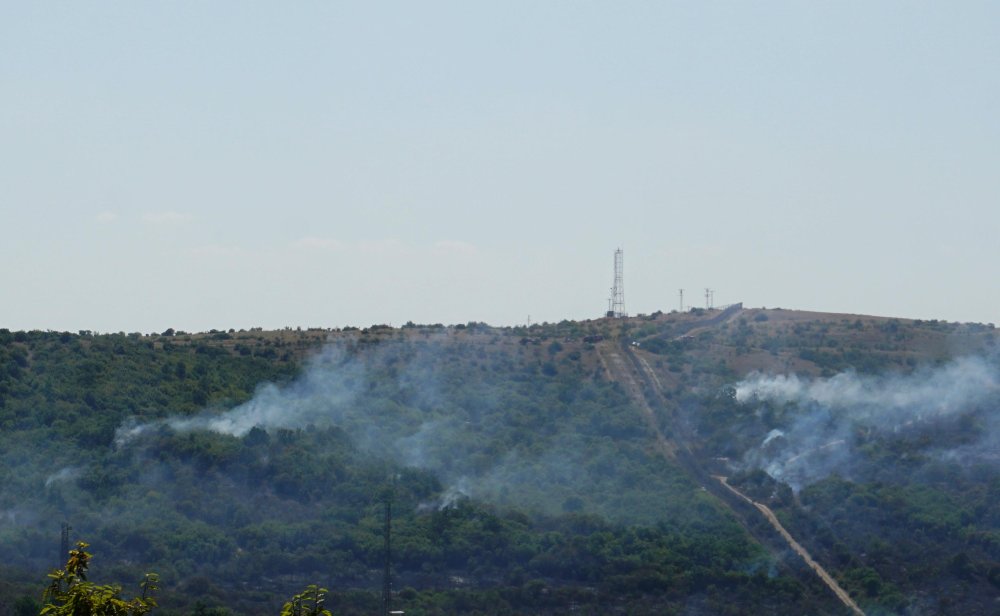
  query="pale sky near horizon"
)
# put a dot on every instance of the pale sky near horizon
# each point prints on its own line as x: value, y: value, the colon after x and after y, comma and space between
x: 204, y: 165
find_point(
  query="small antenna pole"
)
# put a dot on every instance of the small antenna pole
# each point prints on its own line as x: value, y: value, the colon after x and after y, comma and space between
x: 681, y: 309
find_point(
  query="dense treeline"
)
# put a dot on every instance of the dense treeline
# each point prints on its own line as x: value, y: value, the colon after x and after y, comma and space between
x: 520, y: 482
x: 241, y: 466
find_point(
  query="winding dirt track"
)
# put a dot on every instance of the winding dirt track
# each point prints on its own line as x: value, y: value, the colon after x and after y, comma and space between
x: 640, y: 382
x: 801, y: 551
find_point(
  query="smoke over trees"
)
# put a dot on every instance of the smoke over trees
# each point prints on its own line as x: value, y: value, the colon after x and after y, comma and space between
x: 526, y: 479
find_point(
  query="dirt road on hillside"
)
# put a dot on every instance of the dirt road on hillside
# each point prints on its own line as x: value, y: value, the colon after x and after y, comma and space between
x: 643, y: 386
x: 795, y: 545
x: 617, y: 370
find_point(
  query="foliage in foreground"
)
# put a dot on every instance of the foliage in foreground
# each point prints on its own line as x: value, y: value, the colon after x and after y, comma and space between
x: 70, y: 594
x: 307, y: 603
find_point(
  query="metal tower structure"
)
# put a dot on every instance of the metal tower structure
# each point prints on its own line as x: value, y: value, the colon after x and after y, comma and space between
x: 616, y: 304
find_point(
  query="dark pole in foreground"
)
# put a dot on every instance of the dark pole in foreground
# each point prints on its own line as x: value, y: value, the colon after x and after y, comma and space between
x: 63, y: 545
x: 387, y: 574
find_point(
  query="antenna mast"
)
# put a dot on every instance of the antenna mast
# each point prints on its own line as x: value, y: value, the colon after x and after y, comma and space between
x: 616, y: 303
x: 681, y: 309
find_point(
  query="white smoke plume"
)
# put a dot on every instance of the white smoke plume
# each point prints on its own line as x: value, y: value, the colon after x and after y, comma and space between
x: 830, y: 412
x: 417, y: 406
x: 327, y: 394
x: 773, y: 434
x: 66, y: 473
x: 319, y: 397
x: 951, y: 388
x: 450, y: 498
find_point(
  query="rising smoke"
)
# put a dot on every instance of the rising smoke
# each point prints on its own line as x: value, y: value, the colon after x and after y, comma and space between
x: 330, y: 392
x: 67, y: 473
x: 421, y: 406
x: 820, y: 434
x: 322, y: 396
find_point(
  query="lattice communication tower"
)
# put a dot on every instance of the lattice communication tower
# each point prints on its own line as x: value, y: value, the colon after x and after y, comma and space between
x: 616, y: 303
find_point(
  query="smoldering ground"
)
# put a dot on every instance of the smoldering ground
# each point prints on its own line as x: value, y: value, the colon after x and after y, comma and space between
x: 823, y: 422
x: 519, y: 438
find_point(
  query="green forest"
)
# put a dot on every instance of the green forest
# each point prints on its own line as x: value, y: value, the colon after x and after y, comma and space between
x: 531, y: 470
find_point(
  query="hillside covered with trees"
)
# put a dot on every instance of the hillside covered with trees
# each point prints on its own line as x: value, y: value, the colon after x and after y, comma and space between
x: 569, y: 466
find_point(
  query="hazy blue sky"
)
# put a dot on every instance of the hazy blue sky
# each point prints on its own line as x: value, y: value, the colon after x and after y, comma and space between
x: 218, y: 164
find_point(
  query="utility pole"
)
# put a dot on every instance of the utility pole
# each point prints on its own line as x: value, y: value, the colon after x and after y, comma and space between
x: 63, y: 544
x: 387, y: 573
x: 681, y: 308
